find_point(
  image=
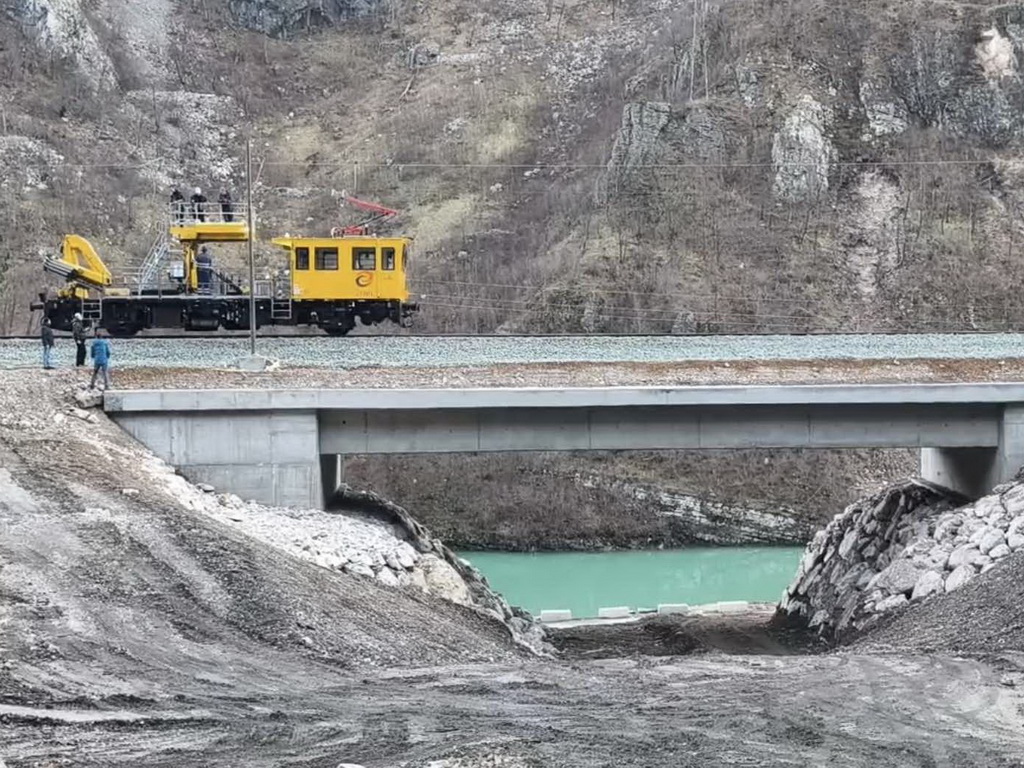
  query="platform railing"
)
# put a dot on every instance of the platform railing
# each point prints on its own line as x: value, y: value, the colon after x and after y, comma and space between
x: 187, y: 212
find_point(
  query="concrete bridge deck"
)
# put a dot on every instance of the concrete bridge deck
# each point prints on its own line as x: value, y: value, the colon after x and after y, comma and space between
x: 282, y: 446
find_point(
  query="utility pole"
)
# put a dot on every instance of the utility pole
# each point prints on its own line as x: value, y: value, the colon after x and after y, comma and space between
x: 252, y: 258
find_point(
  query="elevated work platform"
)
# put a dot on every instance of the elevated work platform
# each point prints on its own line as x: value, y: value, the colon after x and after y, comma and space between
x: 211, y: 232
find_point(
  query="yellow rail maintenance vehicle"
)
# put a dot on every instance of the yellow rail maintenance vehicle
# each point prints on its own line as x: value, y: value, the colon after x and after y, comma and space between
x: 326, y: 282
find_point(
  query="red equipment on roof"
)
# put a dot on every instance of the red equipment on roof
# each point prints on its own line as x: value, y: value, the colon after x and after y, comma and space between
x: 380, y: 214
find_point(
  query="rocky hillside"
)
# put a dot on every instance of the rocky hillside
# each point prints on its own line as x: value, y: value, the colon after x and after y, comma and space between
x: 614, y: 165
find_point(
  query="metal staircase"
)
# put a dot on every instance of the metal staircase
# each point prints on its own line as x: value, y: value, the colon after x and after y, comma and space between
x: 151, y: 271
x: 281, y: 309
x: 281, y: 301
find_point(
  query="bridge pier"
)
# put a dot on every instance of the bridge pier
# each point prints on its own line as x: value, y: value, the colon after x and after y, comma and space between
x: 272, y: 457
x: 975, y: 471
x: 331, y: 473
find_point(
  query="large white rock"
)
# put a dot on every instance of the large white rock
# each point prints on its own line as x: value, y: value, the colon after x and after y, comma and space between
x: 358, y: 569
x: 406, y: 555
x: 959, y: 577
x: 1015, y: 541
x: 802, y: 152
x: 987, y: 505
x: 895, y: 601
x: 929, y: 584
x: 963, y: 555
x: 999, y: 552
x: 444, y: 581
x: 387, y: 577
x: 990, y: 541
x: 900, y: 576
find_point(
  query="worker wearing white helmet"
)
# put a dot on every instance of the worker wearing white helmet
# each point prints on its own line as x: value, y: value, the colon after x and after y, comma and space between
x: 78, y: 334
x: 198, y: 204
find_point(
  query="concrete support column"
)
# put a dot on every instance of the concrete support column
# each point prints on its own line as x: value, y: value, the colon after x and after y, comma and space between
x: 272, y: 457
x: 975, y: 471
x: 332, y: 469
x: 970, y: 471
x: 1011, y: 443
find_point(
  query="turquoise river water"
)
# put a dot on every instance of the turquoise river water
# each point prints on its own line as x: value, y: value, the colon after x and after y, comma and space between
x: 586, y: 581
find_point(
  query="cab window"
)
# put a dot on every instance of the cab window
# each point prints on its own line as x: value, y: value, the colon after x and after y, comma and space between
x: 387, y: 258
x: 302, y: 258
x: 327, y: 258
x: 364, y: 258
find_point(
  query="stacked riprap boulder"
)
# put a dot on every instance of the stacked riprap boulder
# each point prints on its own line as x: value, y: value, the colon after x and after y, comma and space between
x: 903, y: 545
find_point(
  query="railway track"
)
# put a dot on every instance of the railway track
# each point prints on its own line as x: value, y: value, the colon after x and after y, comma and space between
x: 148, y: 336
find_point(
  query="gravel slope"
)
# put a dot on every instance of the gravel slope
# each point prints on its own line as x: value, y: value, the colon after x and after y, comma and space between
x: 391, y: 351
x: 986, y: 615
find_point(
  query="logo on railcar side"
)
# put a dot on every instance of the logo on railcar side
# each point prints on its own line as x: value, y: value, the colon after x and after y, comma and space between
x: 363, y: 279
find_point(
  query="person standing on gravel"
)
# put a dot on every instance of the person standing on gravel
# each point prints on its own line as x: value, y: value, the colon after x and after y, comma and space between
x: 47, y: 336
x: 100, y: 359
x: 78, y: 334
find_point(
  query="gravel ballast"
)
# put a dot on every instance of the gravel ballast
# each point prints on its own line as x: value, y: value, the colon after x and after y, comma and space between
x: 456, y: 351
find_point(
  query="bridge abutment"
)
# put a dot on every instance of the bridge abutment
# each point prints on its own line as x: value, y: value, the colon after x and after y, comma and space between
x: 272, y: 457
x: 975, y: 471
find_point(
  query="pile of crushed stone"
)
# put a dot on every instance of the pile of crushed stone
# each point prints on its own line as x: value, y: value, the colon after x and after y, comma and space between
x: 917, y: 557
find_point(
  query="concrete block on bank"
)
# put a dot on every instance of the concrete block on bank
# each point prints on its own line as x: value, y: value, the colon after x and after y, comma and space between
x: 669, y: 608
x: 560, y: 615
x: 732, y: 606
x: 618, y: 612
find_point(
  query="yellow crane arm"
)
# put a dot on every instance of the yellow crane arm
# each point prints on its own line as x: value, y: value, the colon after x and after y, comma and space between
x: 79, y: 264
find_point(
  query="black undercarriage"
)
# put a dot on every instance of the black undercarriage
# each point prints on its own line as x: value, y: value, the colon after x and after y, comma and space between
x: 127, y: 315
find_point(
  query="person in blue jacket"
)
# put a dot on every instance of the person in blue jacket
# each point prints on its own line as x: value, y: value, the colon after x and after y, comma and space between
x: 100, y: 359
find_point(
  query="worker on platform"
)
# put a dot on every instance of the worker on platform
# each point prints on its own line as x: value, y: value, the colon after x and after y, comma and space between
x: 204, y: 270
x: 47, y: 335
x: 198, y: 201
x: 100, y: 359
x: 178, y: 206
x: 227, y: 206
x: 78, y: 334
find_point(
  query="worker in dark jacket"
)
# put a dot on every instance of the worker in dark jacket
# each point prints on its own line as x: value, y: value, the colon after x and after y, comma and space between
x: 198, y: 201
x: 47, y: 335
x: 78, y: 334
x: 204, y: 270
x: 100, y: 359
x: 178, y: 206
x: 227, y: 206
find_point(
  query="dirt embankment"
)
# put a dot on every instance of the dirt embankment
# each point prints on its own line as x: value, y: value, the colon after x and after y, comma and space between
x: 136, y: 631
